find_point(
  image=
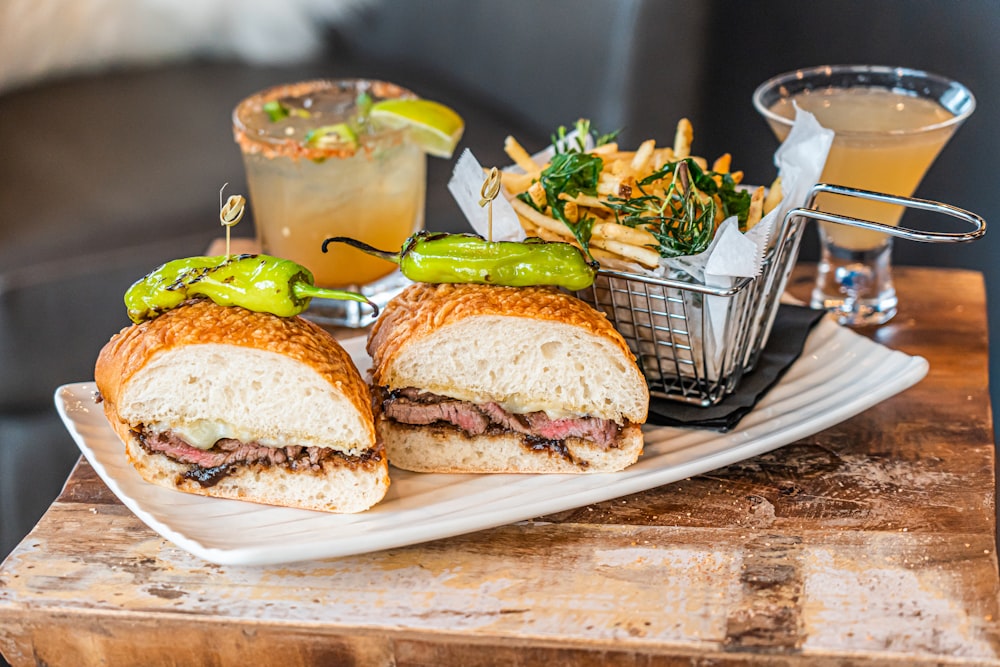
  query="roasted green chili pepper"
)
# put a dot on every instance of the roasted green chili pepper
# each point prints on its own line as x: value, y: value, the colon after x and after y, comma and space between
x: 256, y: 282
x: 431, y: 257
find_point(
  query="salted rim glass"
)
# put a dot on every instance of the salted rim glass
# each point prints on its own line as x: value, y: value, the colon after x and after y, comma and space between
x: 953, y: 96
x: 346, y: 90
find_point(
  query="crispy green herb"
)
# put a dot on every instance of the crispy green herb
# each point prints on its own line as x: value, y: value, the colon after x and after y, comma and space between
x: 683, y: 219
x: 583, y: 130
x: 734, y: 202
x: 572, y: 171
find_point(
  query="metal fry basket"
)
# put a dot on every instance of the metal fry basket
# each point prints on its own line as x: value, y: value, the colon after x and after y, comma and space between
x: 693, y: 342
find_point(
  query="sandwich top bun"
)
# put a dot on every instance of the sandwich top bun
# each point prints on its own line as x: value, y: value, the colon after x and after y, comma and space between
x: 202, y: 372
x: 527, y: 349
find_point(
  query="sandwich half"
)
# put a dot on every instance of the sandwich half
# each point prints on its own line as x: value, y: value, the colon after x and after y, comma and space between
x: 484, y: 378
x: 225, y: 402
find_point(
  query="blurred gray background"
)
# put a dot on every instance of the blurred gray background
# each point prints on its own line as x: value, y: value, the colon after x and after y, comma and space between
x: 115, y: 134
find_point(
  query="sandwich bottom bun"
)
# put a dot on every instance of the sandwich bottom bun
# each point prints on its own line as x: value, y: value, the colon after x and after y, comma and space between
x: 445, y: 449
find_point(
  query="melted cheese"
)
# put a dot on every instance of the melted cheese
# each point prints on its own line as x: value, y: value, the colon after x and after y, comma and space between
x: 513, y: 404
x: 519, y: 408
x: 203, y: 433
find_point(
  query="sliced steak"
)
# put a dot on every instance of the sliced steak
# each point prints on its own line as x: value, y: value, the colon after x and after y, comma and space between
x: 461, y: 414
x: 226, y: 454
x: 411, y: 406
x: 602, y: 431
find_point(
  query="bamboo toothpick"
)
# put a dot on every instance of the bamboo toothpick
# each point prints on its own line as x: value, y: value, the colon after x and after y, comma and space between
x: 491, y: 188
x: 230, y: 213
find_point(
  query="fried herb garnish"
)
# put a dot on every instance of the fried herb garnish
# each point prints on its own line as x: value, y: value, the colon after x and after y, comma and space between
x: 683, y: 217
x: 572, y: 171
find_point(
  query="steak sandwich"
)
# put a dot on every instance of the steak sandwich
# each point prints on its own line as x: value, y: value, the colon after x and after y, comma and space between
x: 226, y: 402
x: 485, y: 378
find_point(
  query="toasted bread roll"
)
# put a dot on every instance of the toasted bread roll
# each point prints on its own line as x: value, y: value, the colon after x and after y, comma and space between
x: 481, y: 378
x: 225, y: 402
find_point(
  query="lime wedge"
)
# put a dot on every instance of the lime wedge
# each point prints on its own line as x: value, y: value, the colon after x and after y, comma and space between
x: 433, y: 126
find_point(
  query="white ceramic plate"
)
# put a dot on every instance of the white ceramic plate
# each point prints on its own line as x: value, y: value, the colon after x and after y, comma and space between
x: 838, y: 375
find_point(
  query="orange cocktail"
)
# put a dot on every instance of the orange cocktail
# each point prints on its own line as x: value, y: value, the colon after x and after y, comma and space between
x: 885, y: 141
x: 316, y: 169
x: 889, y: 125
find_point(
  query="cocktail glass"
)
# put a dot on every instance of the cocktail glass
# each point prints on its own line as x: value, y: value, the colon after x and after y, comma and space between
x: 890, y: 123
x: 314, y: 172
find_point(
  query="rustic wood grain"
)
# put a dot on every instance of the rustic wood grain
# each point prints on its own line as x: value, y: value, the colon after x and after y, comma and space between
x: 870, y: 543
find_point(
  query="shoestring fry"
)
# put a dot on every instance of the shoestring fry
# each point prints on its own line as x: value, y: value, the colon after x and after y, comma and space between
x: 626, y: 177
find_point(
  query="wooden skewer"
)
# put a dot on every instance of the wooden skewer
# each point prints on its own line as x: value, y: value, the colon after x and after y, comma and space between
x: 491, y: 188
x: 231, y: 213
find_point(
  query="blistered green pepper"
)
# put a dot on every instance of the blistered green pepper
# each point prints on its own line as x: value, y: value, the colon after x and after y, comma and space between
x: 256, y: 282
x: 432, y: 257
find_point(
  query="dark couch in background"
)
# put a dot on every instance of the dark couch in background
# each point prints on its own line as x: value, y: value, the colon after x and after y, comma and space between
x: 105, y: 175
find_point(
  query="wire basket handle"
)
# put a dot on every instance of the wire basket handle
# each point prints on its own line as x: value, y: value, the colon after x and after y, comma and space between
x: 809, y: 211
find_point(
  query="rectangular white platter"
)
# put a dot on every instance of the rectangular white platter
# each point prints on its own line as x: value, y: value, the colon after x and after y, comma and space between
x: 838, y: 375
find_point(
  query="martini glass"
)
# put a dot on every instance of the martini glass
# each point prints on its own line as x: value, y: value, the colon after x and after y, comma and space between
x: 889, y: 123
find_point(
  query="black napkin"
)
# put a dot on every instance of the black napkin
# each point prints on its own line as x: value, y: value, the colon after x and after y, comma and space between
x: 792, y: 325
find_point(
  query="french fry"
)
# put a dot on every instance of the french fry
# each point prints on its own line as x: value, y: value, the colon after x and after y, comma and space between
x: 603, y: 256
x: 683, y: 138
x: 645, y: 256
x: 537, y: 194
x: 615, y: 185
x: 662, y: 156
x: 540, y: 219
x: 620, y: 168
x: 722, y: 163
x: 550, y: 226
x: 539, y: 232
x: 642, y: 158
x: 572, y: 212
x: 607, y: 149
x: 609, y: 184
x: 756, y: 208
x: 774, y: 196
x: 515, y: 151
x: 612, y: 231
x: 516, y: 183
x: 588, y: 201
x: 606, y: 258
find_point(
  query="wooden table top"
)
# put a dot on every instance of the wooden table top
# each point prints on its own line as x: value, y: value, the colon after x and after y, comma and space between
x: 871, y: 542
